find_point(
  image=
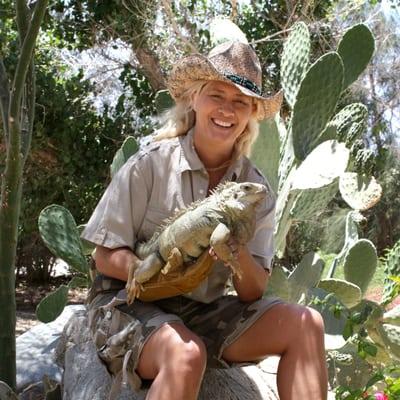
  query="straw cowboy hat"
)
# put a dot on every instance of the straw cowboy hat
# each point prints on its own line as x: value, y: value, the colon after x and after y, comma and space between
x: 232, y: 62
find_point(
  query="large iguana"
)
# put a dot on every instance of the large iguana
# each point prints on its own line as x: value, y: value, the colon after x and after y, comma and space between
x: 229, y: 212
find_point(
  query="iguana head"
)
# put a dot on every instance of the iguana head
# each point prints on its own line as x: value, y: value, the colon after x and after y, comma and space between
x: 240, y: 195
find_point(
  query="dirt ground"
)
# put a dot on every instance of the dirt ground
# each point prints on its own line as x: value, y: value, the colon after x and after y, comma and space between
x: 28, y: 297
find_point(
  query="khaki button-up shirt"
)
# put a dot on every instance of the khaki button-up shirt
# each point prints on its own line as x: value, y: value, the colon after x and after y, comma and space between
x: 164, y: 177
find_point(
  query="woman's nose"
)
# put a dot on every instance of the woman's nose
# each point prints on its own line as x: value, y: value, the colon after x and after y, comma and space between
x: 226, y: 110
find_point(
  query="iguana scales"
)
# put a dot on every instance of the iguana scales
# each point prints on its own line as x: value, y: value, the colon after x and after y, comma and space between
x: 229, y: 212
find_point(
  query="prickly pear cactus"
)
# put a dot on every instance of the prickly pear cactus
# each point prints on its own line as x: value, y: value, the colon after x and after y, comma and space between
x: 128, y: 148
x: 348, y: 293
x: 294, y: 61
x: 315, y: 102
x: 360, y: 264
x: 360, y: 192
x: 356, y: 49
x: 295, y: 285
x: 60, y: 234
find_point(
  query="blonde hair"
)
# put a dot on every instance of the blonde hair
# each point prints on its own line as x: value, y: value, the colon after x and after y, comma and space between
x: 178, y: 120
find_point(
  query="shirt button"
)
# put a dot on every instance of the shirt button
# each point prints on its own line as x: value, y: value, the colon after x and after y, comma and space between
x: 201, y: 191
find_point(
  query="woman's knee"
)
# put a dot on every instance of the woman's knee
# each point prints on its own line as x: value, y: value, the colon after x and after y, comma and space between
x: 185, y: 351
x: 173, y: 348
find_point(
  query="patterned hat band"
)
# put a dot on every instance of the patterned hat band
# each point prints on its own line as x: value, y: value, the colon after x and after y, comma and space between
x: 246, y: 83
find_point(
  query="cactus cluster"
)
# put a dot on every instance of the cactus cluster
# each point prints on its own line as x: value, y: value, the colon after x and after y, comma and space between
x: 316, y: 137
x: 318, y: 157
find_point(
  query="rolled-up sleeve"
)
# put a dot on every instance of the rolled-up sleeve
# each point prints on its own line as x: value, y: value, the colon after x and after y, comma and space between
x: 119, y: 214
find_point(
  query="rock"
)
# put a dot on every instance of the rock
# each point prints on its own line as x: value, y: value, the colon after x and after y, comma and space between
x: 85, y: 376
x: 35, y: 350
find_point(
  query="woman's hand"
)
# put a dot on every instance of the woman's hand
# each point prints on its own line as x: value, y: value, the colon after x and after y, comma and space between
x: 234, y: 247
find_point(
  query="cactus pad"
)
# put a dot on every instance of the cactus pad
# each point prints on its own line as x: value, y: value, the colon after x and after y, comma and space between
x: 278, y: 284
x: 360, y: 263
x: 163, y: 101
x: 348, y: 293
x: 350, y: 122
x: 390, y: 335
x: 128, y: 148
x: 331, y: 157
x: 305, y: 276
x: 355, y: 49
x: 265, y: 154
x: 52, y: 305
x: 360, y: 192
x: 60, y: 234
x: 294, y: 61
x: 315, y: 103
x: 311, y: 202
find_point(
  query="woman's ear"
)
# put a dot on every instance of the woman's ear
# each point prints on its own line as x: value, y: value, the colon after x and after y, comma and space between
x: 193, y: 101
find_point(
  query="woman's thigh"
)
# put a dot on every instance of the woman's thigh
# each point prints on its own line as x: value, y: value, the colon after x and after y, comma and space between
x: 278, y: 328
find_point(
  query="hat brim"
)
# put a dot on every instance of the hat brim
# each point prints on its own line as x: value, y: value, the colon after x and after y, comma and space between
x: 196, y: 67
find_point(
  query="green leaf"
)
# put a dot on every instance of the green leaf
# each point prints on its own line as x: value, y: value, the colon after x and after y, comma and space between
x: 52, y: 305
x: 348, y: 330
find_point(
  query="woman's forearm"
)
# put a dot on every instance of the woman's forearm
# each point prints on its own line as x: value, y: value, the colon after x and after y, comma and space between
x: 254, y: 278
x: 114, y: 262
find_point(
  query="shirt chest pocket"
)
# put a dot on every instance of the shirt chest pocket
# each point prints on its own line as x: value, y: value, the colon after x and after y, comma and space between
x: 153, y: 219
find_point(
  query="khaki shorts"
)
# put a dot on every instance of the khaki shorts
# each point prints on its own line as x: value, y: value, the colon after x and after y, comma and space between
x: 120, y: 331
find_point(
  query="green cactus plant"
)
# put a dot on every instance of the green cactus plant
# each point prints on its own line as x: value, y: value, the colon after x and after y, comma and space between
x: 348, y: 293
x: 360, y: 192
x: 294, y: 286
x: 128, y: 148
x: 61, y: 235
x: 294, y: 61
x: 360, y: 264
x: 59, y: 232
x: 268, y: 159
x: 356, y: 49
x: 315, y: 103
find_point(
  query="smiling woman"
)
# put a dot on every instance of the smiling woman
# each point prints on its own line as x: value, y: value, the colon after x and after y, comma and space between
x: 204, y: 141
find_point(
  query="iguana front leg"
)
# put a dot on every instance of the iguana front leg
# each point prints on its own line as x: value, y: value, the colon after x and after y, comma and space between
x: 219, y: 242
x: 140, y: 272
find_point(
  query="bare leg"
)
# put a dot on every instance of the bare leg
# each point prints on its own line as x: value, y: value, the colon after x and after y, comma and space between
x: 176, y: 359
x: 297, y: 334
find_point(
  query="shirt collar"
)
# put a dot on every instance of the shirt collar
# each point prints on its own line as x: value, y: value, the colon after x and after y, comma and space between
x: 189, y: 159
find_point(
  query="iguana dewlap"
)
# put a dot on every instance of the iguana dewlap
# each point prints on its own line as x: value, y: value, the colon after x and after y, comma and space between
x: 228, y: 213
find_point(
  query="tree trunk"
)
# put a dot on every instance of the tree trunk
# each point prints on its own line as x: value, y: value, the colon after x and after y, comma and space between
x: 17, y: 141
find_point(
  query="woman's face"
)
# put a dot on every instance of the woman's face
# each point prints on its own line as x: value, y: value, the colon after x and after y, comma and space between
x: 222, y: 113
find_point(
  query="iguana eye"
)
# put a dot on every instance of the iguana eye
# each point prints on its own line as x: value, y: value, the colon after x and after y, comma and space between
x: 246, y: 187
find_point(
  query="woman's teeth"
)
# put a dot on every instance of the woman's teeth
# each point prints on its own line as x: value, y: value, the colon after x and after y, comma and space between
x: 222, y: 123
